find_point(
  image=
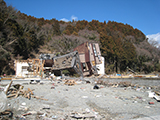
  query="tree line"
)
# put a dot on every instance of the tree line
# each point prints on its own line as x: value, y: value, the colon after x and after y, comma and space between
x: 23, y: 36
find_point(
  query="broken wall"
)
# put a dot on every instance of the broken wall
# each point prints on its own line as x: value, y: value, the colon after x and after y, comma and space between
x: 21, y: 68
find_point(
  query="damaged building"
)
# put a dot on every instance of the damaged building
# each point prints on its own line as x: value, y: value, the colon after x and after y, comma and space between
x: 91, y: 60
x: 85, y: 60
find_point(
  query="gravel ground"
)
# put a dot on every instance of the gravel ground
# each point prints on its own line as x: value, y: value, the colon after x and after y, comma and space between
x: 81, y: 101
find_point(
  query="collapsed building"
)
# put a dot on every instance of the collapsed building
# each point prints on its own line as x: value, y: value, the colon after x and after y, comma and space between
x: 70, y: 62
x: 85, y: 60
x: 91, y: 60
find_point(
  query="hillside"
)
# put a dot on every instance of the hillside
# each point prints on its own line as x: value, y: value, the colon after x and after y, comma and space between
x: 23, y: 37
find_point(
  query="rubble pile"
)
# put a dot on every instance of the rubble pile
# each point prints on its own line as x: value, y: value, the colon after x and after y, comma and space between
x: 17, y: 90
x: 5, y: 115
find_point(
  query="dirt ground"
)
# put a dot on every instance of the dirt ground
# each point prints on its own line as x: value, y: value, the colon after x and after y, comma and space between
x: 84, y: 100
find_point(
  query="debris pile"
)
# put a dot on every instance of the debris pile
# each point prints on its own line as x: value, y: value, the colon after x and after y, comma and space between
x: 70, y: 82
x: 5, y: 115
x: 13, y: 91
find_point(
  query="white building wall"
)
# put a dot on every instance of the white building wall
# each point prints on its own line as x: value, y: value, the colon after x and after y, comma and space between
x: 19, y: 71
x: 101, y: 67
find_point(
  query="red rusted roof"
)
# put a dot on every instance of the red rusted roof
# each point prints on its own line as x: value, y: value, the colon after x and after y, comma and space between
x: 83, y: 49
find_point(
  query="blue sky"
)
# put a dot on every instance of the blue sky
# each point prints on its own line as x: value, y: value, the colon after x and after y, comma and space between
x: 141, y: 14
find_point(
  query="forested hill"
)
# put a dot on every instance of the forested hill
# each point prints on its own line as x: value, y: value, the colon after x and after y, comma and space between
x: 23, y: 37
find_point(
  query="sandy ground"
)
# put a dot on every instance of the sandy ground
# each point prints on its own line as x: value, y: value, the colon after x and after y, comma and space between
x: 81, y: 101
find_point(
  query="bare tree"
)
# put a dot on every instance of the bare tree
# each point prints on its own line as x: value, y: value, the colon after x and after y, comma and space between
x: 153, y: 42
x: 11, y: 13
x: 65, y: 43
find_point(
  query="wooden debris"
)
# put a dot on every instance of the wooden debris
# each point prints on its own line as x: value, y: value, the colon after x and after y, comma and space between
x: 12, y: 95
x: 6, y: 115
x: 18, y: 90
x: 30, y: 91
x: 9, y: 87
x: 70, y: 82
x: 158, y: 93
x: 39, y: 98
x: 115, y: 85
x: 27, y: 114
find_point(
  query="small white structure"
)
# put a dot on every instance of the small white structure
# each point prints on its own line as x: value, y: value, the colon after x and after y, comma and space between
x: 21, y: 68
x: 100, y: 67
